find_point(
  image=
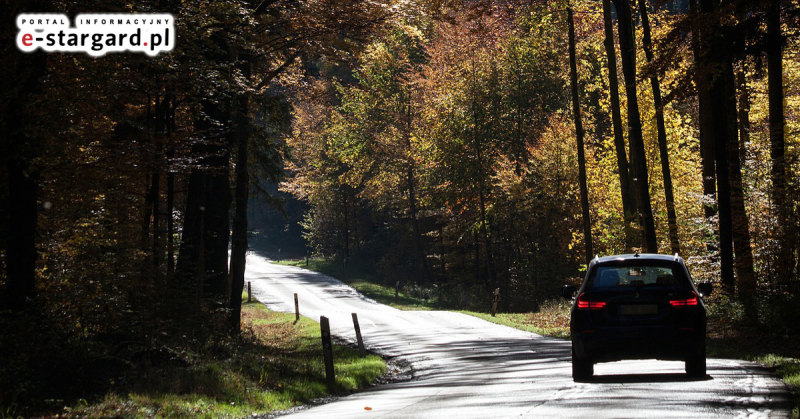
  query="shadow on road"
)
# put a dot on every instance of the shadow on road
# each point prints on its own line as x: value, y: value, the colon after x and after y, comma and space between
x: 647, y: 378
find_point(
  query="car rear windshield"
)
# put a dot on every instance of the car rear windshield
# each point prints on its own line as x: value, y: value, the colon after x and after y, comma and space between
x: 635, y: 276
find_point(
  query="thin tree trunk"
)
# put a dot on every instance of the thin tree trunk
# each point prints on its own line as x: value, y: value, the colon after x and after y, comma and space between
x: 486, y: 239
x: 441, y: 252
x: 239, y: 237
x: 477, y: 258
x: 576, y: 113
x: 783, y: 264
x: 477, y: 144
x: 412, y: 206
x: 171, y: 193
x: 638, y: 157
x: 147, y: 214
x: 346, y: 232
x: 744, y: 113
x: 672, y: 218
x: 154, y: 193
x: 627, y: 190
x: 160, y: 130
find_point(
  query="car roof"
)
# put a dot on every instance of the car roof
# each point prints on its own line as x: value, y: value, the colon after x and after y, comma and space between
x: 637, y: 257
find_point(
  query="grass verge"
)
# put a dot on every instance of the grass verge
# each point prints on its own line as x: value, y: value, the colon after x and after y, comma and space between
x: 278, y: 364
x: 730, y: 337
x: 552, y: 319
x: 788, y: 369
x: 369, y: 284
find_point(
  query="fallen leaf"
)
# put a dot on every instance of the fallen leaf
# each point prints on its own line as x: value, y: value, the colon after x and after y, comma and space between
x: 367, y: 408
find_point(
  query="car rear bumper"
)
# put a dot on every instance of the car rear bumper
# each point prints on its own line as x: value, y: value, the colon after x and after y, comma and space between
x: 616, y: 344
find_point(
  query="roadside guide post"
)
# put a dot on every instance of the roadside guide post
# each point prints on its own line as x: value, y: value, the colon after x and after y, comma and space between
x: 327, y: 350
x: 296, y: 309
x: 495, y: 301
x: 361, y: 351
x: 396, y: 291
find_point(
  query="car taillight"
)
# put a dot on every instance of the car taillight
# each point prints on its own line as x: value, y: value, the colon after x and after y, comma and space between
x: 687, y: 302
x: 589, y: 305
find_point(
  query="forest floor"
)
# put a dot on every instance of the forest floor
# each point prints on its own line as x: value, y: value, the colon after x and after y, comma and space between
x: 729, y: 334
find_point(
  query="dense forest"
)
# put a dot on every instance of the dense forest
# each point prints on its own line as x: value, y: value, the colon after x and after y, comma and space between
x: 457, y: 146
x: 502, y: 145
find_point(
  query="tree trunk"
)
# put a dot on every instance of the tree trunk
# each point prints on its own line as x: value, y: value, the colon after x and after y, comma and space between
x: 672, y: 219
x: 477, y: 257
x: 412, y: 206
x: 576, y: 113
x: 154, y: 193
x: 217, y: 225
x: 638, y: 157
x: 783, y: 264
x: 628, y: 192
x: 206, y: 230
x: 23, y: 183
x: 744, y: 113
x: 711, y: 66
x: 147, y: 216
x: 705, y: 122
x: 346, y: 231
x: 745, y: 274
x: 720, y: 135
x: 190, y: 249
x: 485, y: 233
x: 170, y: 193
x: 239, y: 238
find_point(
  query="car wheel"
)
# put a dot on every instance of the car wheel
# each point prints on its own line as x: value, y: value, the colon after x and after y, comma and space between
x: 696, y: 364
x: 582, y: 368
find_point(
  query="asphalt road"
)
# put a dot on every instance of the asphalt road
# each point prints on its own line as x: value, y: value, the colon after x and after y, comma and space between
x: 464, y: 367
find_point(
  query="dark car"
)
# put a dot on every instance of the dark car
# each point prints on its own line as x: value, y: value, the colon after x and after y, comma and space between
x: 637, y: 306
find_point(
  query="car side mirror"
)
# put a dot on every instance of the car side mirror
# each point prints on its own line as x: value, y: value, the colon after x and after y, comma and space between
x: 567, y: 291
x: 705, y: 288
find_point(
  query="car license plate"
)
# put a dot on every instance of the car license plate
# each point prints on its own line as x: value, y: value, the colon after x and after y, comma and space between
x: 638, y: 310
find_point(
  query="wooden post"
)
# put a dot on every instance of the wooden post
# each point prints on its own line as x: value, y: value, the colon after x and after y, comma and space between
x: 296, y: 309
x: 495, y: 300
x: 396, y: 291
x: 249, y: 292
x: 362, y: 352
x: 307, y: 254
x: 327, y: 350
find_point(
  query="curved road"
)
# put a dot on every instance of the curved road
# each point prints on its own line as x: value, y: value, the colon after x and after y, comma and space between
x: 465, y: 367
